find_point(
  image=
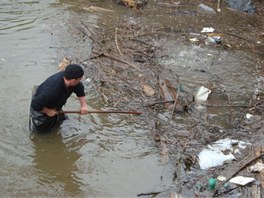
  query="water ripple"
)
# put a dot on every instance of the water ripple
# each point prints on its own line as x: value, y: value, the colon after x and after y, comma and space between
x: 17, y: 16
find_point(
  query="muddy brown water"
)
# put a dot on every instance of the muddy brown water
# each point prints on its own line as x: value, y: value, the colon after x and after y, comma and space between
x: 95, y: 155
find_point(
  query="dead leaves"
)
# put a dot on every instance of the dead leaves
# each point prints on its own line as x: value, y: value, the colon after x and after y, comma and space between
x: 135, y: 4
x: 148, y: 90
x: 64, y: 63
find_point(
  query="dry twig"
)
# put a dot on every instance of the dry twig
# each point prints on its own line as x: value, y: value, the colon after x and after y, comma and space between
x: 116, y: 42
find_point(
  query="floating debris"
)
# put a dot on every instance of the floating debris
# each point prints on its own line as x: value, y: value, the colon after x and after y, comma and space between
x: 2, y: 59
x: 209, y: 158
x: 213, y: 40
x: 207, y: 29
x: 88, y: 80
x: 205, y: 9
x: 240, y: 180
x: 202, y: 94
x: 211, y: 184
x: 194, y: 39
x: 248, y: 115
x: 258, y: 167
x: 221, y: 178
x: 220, y: 152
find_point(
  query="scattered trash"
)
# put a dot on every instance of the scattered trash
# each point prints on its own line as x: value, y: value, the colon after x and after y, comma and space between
x: 202, y: 94
x: 211, y: 184
x: 207, y: 29
x: 227, y: 45
x: 220, y: 152
x: 250, y: 118
x: 217, y: 39
x: 248, y: 115
x: 2, y: 59
x: 213, y: 40
x: 209, y: 158
x: 88, y: 80
x: 209, y: 40
x: 205, y: 9
x: 258, y: 167
x: 240, y: 180
x: 227, y: 185
x: 221, y: 178
x: 199, y: 187
x: 194, y: 39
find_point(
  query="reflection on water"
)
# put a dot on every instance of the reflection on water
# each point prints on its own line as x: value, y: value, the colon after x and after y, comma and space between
x: 114, y: 151
x: 55, y: 162
x: 91, y: 155
x: 17, y: 16
x: 25, y: 60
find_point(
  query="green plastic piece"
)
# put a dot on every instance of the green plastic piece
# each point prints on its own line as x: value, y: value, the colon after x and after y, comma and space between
x: 211, y: 184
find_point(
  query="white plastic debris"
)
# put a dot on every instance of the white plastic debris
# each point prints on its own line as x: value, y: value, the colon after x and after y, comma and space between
x: 248, y: 115
x: 207, y: 30
x: 258, y: 167
x: 221, y: 178
x: 204, y: 8
x: 240, y: 180
x: 209, y: 158
x: 220, y: 152
x: 194, y: 39
x: 202, y: 94
x: 213, y: 40
x: 88, y: 80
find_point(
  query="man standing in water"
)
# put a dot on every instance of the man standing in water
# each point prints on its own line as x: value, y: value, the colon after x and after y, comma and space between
x: 52, y: 94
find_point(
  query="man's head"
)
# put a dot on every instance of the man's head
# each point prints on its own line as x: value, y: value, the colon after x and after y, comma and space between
x: 73, y: 74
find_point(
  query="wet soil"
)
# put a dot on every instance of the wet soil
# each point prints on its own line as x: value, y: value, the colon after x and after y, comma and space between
x: 134, y: 49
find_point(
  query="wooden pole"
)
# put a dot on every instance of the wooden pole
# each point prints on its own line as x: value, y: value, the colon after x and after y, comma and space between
x: 107, y: 111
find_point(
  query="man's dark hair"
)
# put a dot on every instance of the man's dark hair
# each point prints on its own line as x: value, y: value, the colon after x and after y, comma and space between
x: 73, y: 71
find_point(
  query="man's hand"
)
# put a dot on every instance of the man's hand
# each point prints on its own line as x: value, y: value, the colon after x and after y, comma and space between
x: 84, y: 110
x: 49, y: 112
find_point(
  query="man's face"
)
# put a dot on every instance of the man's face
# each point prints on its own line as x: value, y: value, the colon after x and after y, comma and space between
x: 74, y: 82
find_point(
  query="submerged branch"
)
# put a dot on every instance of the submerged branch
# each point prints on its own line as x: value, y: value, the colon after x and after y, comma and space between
x: 99, y: 54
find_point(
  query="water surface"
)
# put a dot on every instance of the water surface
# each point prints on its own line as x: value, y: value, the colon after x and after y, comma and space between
x: 93, y: 155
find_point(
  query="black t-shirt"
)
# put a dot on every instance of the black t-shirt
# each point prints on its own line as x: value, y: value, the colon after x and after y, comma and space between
x: 53, y: 93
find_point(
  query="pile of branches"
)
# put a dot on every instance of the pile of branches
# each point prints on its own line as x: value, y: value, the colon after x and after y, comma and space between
x: 125, y: 60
